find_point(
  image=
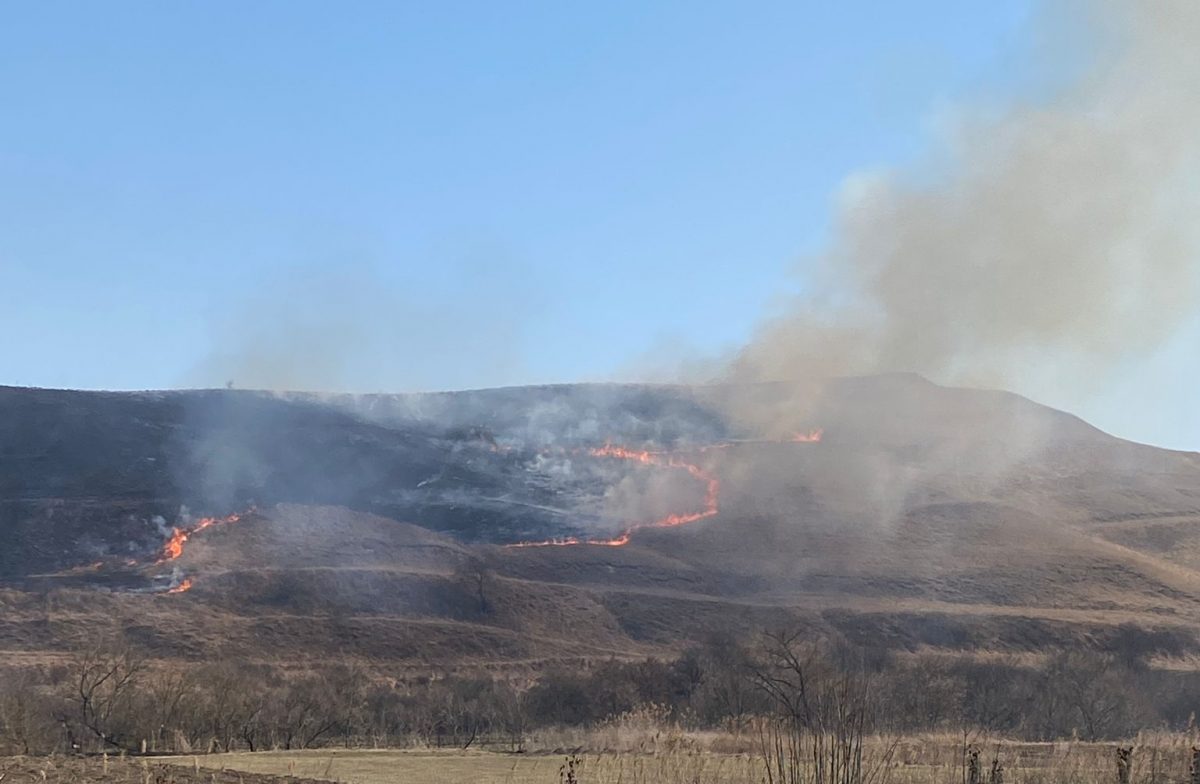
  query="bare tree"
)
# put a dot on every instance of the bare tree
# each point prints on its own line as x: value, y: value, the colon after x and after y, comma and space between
x: 512, y: 717
x: 1083, y: 691
x: 724, y: 691
x: 306, y: 712
x: 1095, y: 687
x: 821, y: 708
x: 103, y: 687
x: 230, y: 707
x: 25, y: 715
x: 476, y: 578
x: 169, y: 695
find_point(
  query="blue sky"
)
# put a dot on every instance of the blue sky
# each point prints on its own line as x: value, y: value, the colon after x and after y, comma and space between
x: 393, y: 196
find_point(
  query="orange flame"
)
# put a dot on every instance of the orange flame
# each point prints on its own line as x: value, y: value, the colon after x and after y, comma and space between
x: 184, y: 586
x: 624, y: 453
x: 711, y: 495
x: 570, y: 541
x: 173, y: 548
x: 712, y: 486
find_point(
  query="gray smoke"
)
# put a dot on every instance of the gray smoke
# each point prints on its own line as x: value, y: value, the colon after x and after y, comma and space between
x: 1044, y: 245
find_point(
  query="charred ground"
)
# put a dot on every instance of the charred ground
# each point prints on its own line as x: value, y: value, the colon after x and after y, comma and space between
x: 925, y: 517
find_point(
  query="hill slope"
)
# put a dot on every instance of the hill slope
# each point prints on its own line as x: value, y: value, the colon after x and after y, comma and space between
x: 924, y: 516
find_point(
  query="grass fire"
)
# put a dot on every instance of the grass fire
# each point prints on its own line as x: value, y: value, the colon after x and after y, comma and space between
x: 668, y: 393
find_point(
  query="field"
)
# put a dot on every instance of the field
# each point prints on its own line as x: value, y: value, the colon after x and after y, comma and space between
x: 656, y: 758
x: 81, y: 770
x: 937, y: 760
x: 481, y: 767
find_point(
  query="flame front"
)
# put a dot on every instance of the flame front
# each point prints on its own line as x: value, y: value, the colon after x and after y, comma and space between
x: 712, y: 487
x: 662, y: 459
x: 173, y: 548
x: 184, y: 586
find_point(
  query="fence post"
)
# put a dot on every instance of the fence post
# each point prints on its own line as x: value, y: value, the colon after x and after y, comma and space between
x: 1124, y: 754
x: 1194, y: 767
x: 973, y: 776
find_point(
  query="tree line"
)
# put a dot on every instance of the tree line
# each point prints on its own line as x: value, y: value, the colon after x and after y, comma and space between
x: 109, y: 697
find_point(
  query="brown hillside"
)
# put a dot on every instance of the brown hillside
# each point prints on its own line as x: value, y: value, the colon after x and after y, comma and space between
x: 925, y: 517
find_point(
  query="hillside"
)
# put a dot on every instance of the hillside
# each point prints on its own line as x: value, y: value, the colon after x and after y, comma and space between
x: 374, y: 528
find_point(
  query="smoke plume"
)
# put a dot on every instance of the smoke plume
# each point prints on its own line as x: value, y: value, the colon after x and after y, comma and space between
x: 1048, y: 241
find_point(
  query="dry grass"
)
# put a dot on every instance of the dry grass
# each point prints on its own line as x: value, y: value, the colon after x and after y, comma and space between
x: 482, y: 767
x: 118, y: 770
x: 1158, y: 759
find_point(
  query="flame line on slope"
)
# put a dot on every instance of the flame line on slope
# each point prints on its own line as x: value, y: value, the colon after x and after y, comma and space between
x: 667, y: 459
x: 172, y: 549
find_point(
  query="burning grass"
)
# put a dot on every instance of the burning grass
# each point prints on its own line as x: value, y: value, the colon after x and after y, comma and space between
x: 669, y: 460
x: 658, y: 459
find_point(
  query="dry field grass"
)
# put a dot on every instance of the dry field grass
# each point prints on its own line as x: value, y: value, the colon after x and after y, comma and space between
x: 483, y: 767
x: 116, y: 770
x: 1157, y: 759
x: 709, y: 759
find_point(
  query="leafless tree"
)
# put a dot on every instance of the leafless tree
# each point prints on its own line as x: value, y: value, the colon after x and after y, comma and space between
x: 103, y: 687
x: 1096, y: 691
x: 821, y: 707
x: 1085, y: 692
x: 512, y: 717
x: 475, y: 578
x: 169, y: 695
x: 229, y: 706
x: 307, y: 711
x: 25, y: 725
x: 724, y: 692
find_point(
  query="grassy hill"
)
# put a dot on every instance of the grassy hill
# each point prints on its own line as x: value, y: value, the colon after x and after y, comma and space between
x: 925, y: 517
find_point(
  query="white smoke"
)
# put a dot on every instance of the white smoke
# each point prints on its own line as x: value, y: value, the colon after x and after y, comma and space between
x: 1053, y: 241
